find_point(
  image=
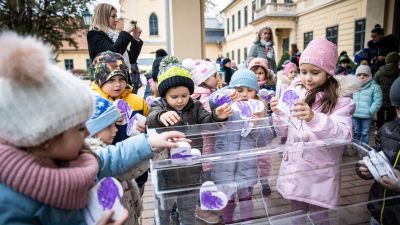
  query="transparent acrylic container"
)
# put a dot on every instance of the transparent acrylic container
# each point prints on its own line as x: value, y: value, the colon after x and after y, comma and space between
x: 233, y: 171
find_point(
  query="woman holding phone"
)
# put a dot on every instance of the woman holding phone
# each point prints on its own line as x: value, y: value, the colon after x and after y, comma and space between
x: 103, y: 36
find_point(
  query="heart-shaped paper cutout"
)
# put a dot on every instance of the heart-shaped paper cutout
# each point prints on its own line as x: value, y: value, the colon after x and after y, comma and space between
x: 211, y: 198
x: 133, y: 123
x: 150, y: 99
x: 256, y: 106
x: 287, y: 100
x: 125, y: 109
x: 183, y: 153
x: 266, y: 95
x: 243, y: 108
x: 104, y: 196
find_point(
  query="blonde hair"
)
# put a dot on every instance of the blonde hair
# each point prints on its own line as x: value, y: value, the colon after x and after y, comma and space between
x: 258, y: 38
x: 101, y: 16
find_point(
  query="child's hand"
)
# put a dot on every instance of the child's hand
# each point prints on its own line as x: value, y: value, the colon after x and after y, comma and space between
x: 235, y: 96
x: 106, y: 219
x: 169, y: 118
x: 167, y: 140
x: 390, y: 184
x: 302, y: 111
x: 274, y: 104
x: 224, y: 111
x: 141, y: 128
x: 364, y: 169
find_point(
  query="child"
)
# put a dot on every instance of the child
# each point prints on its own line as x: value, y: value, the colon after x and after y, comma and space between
x: 385, y: 77
x: 344, y: 64
x: 368, y: 101
x: 45, y: 171
x: 384, y: 203
x: 175, y: 86
x: 204, y: 77
x: 265, y: 77
x: 239, y: 177
x: 110, y: 81
x: 311, y: 179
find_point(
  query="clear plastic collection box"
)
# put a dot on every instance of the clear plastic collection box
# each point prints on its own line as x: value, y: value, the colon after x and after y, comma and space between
x: 232, y: 169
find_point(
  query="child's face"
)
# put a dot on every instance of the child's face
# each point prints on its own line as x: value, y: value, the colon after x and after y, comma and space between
x: 312, y: 76
x: 260, y: 73
x: 292, y: 74
x: 178, y: 97
x: 107, y: 135
x: 114, y: 86
x: 364, y: 62
x: 66, y: 147
x: 246, y: 93
x: 363, y: 76
x: 346, y: 65
x: 212, y: 82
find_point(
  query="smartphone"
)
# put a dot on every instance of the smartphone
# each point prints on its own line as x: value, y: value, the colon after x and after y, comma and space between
x: 133, y: 22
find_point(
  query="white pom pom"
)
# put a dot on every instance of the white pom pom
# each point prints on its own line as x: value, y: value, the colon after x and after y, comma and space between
x: 188, y: 64
x: 24, y: 59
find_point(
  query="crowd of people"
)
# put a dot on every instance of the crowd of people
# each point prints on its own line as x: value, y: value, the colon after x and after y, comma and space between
x: 60, y: 136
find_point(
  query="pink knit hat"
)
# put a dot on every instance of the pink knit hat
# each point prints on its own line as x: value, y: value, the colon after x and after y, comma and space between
x: 201, y: 70
x: 322, y: 54
x: 289, y: 67
x: 258, y: 62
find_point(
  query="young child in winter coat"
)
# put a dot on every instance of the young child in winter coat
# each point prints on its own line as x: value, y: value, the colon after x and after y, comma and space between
x: 368, y: 101
x: 384, y: 198
x: 110, y: 81
x: 176, y: 108
x: 265, y: 76
x: 239, y: 177
x: 285, y: 78
x: 46, y: 170
x: 102, y: 129
x: 204, y: 76
x: 311, y: 178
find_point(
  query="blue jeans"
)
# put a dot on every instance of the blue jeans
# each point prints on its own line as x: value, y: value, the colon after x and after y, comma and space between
x: 361, y: 129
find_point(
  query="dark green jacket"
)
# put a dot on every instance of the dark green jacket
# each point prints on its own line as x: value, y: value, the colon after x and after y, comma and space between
x: 385, y: 77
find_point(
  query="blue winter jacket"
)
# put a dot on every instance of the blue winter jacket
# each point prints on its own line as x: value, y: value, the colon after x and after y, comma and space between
x: 18, y: 209
x: 368, y: 100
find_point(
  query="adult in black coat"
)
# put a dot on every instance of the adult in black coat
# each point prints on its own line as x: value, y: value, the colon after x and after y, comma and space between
x: 104, y: 37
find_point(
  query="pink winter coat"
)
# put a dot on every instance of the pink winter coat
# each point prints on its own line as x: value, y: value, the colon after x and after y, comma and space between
x: 312, y: 175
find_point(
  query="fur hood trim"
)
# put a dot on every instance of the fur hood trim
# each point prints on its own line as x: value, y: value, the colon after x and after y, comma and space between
x: 348, y: 84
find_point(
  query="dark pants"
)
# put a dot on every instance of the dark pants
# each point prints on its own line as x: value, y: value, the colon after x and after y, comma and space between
x: 390, y: 113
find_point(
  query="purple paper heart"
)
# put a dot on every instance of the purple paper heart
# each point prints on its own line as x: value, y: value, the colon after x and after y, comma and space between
x: 107, y: 193
x: 131, y: 126
x: 150, y: 100
x: 244, y: 109
x: 180, y: 156
x: 123, y: 106
x: 209, y: 201
x: 266, y: 95
x: 289, y: 98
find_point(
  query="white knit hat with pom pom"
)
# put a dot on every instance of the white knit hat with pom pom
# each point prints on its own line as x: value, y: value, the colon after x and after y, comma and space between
x: 201, y: 70
x: 38, y: 100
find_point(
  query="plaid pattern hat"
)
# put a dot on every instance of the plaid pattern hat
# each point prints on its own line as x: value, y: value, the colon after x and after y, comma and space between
x: 173, y: 74
x: 107, y: 65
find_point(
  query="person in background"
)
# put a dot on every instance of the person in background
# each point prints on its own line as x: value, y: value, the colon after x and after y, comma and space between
x: 344, y: 64
x: 385, y: 77
x: 227, y: 70
x: 294, y: 54
x: 263, y: 47
x: 103, y: 36
x: 379, y: 47
x: 361, y: 58
x: 368, y: 101
x: 219, y: 59
x: 384, y: 201
x: 151, y: 87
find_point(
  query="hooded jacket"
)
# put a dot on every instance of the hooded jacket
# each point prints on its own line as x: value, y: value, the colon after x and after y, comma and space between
x: 368, y: 100
x: 385, y: 77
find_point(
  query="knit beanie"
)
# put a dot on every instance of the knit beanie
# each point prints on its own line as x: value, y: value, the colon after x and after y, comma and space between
x: 258, y: 62
x: 289, y: 67
x: 107, y: 65
x: 322, y: 54
x: 364, y: 69
x: 244, y: 77
x: 38, y: 100
x: 395, y: 93
x: 225, y: 61
x: 344, y: 58
x: 361, y: 55
x: 173, y: 74
x: 201, y: 70
x: 105, y: 114
x: 392, y: 57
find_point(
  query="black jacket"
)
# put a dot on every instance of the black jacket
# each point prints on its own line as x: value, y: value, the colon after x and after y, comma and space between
x: 382, y: 48
x: 99, y: 42
x: 388, y: 141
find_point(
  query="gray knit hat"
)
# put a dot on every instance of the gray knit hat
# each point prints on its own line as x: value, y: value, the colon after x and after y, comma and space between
x: 395, y: 92
x: 38, y: 100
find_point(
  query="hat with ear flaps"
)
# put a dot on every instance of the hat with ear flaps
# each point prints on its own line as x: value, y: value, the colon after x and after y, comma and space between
x: 173, y: 74
x: 38, y: 100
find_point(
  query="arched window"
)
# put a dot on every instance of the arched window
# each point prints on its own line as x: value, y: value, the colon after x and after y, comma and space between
x: 153, y: 24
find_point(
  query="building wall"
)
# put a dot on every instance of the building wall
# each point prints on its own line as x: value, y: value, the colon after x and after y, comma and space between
x: 212, y: 50
x: 342, y: 13
x: 79, y: 58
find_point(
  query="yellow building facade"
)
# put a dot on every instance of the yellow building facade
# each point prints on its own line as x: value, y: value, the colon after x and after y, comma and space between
x: 346, y: 22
